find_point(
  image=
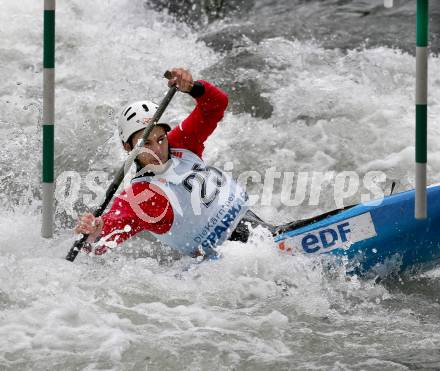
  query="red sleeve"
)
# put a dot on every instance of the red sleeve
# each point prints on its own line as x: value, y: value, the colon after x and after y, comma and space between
x: 142, y: 206
x: 192, y: 132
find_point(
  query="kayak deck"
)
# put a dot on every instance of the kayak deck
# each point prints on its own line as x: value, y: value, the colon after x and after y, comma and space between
x: 370, y: 234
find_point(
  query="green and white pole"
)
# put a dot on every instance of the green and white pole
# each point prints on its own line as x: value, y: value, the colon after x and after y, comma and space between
x: 48, y: 117
x: 421, y: 107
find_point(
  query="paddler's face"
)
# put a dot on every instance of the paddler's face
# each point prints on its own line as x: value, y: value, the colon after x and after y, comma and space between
x: 156, y: 145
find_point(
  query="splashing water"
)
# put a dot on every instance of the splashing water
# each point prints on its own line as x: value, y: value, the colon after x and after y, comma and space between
x: 299, y: 102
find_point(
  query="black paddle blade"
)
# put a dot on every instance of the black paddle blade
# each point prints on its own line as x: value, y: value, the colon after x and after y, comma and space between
x: 76, y: 248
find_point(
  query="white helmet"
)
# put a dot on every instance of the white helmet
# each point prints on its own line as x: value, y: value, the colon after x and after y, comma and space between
x: 135, y: 117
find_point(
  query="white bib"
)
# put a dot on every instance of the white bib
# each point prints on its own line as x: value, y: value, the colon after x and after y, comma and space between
x: 207, y: 203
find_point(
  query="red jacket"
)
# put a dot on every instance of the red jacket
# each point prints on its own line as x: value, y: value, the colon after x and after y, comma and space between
x: 190, y: 134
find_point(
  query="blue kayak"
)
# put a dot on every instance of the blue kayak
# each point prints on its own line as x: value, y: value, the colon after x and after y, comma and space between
x: 372, y: 235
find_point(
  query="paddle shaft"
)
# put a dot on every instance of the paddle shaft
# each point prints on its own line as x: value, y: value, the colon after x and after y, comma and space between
x: 79, y: 244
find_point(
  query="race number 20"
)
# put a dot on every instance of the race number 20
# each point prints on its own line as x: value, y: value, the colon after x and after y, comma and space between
x: 205, y: 178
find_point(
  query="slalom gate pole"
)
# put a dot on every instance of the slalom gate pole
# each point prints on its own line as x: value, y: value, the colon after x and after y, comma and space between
x: 421, y: 107
x: 48, y: 118
x: 79, y: 244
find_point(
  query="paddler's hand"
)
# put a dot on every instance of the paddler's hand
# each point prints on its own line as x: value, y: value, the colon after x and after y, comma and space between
x: 90, y: 225
x: 182, y: 79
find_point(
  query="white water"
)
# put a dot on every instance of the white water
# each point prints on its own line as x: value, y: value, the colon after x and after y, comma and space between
x: 253, y: 309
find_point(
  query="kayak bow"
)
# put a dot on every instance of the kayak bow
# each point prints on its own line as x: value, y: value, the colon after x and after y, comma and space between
x: 369, y: 235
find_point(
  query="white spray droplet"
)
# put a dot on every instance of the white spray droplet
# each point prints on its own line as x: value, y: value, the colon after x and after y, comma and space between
x: 388, y: 3
x: 111, y: 244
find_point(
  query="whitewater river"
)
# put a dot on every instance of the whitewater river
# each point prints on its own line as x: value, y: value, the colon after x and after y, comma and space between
x: 314, y: 86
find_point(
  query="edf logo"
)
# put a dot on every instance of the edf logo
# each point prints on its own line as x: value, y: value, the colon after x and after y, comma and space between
x: 325, y: 238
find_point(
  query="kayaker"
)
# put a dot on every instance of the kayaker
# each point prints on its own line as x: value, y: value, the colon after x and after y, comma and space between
x: 175, y: 195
